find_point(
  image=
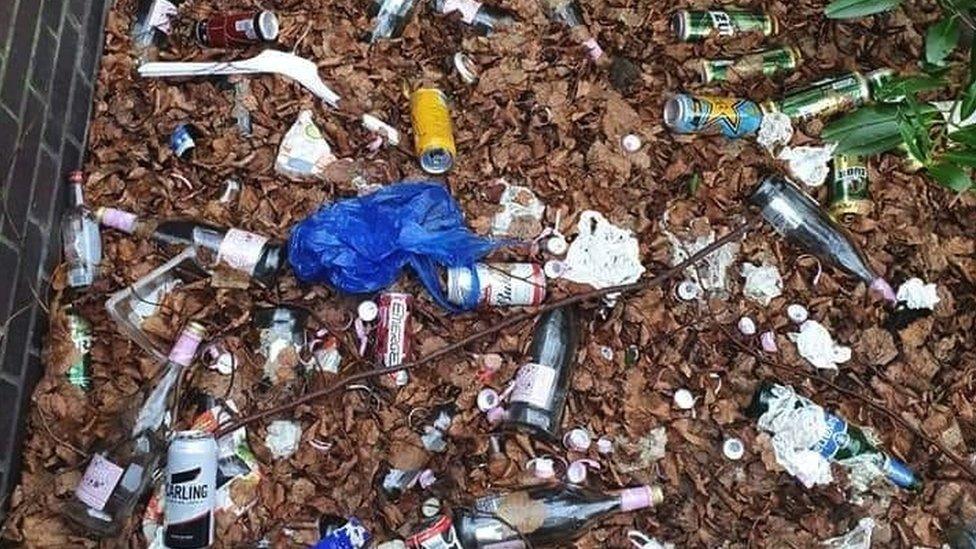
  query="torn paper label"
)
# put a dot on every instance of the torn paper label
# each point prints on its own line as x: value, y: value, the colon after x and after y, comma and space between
x: 815, y: 344
x: 775, y: 131
x: 916, y: 294
x: 521, y: 213
x: 762, y: 284
x: 304, y: 152
x: 809, y: 164
x: 602, y: 254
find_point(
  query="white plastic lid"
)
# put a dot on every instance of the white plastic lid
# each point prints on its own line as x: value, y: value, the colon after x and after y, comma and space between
x: 733, y: 448
x: 556, y: 245
x: 554, y: 268
x: 797, y: 313
x: 683, y: 399
x: 577, y: 439
x: 604, y: 445
x: 576, y: 472
x: 368, y: 311
x: 430, y: 507
x: 542, y: 468
x: 631, y: 143
x: 747, y: 326
x: 487, y: 399
x: 688, y: 290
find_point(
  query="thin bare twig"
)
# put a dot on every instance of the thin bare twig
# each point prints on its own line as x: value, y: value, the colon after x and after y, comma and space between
x: 508, y: 322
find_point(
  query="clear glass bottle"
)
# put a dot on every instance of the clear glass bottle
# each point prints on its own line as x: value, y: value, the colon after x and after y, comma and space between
x: 551, y: 515
x: 796, y: 216
x: 539, y: 396
x: 253, y: 254
x: 80, y: 237
x: 122, y: 466
x: 391, y: 17
x: 484, y: 18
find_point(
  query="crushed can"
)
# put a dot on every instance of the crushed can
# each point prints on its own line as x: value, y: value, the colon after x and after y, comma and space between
x: 497, y: 284
x: 767, y: 62
x: 237, y: 29
x: 849, y: 196
x: 342, y: 533
x: 727, y: 116
x: 393, y: 333
x: 433, y: 135
x: 694, y: 25
x: 80, y: 332
x: 438, y: 533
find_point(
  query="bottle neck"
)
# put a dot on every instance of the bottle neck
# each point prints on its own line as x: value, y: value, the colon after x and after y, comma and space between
x: 76, y: 195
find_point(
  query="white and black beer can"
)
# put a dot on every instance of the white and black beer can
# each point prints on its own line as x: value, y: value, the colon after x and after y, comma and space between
x: 498, y: 284
x: 191, y: 483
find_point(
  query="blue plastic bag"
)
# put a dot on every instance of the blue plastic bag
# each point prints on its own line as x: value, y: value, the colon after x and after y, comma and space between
x: 360, y: 245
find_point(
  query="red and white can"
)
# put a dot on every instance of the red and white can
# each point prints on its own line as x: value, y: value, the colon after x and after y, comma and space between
x: 439, y: 533
x: 393, y: 333
x: 498, y: 284
x: 238, y: 29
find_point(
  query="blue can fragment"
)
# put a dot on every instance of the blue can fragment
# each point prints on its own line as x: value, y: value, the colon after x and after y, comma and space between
x: 728, y: 116
x: 351, y: 535
x: 181, y: 141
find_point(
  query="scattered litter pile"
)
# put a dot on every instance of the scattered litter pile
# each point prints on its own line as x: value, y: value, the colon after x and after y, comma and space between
x: 558, y: 151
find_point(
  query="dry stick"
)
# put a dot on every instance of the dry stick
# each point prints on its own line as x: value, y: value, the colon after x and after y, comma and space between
x: 961, y: 463
x: 510, y: 321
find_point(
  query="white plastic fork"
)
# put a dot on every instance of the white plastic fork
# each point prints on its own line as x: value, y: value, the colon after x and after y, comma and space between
x: 286, y: 64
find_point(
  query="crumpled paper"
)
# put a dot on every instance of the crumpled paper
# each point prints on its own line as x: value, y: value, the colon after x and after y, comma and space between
x: 711, y: 273
x: 795, y: 431
x: 858, y: 538
x: 762, y: 283
x: 304, y: 152
x: 776, y: 130
x: 916, y: 294
x: 809, y: 164
x: 602, y: 254
x: 521, y: 213
x: 283, y: 438
x: 815, y: 344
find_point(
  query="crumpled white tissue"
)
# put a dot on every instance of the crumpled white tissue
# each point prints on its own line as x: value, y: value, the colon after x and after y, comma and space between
x: 775, y: 131
x: 602, y: 254
x: 795, y: 431
x: 858, y: 538
x: 762, y: 283
x: 809, y: 164
x: 283, y: 437
x: 815, y: 344
x: 916, y: 294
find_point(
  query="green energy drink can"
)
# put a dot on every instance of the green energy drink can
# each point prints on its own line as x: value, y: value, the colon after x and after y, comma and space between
x: 768, y: 62
x: 849, y: 188
x: 694, y: 25
x: 829, y: 96
x: 80, y: 331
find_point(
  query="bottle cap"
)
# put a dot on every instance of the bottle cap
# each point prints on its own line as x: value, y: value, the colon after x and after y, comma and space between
x: 488, y: 399
x: 683, y: 399
x: 881, y: 286
x: 733, y: 448
x: 768, y: 342
x: 688, y: 290
x: 604, y: 445
x: 426, y: 478
x: 466, y: 68
x: 747, y: 326
x: 640, y: 497
x: 368, y: 311
x: 577, y: 439
x: 556, y: 245
x: 797, y: 313
x: 430, y: 507
x: 631, y: 143
x: 542, y: 468
x: 554, y: 268
x: 495, y: 415
x: 576, y: 472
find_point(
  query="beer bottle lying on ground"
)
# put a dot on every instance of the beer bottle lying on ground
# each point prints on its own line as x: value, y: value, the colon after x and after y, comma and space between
x: 255, y: 255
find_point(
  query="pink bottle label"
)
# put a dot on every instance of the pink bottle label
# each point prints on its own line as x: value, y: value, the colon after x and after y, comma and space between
x: 633, y: 499
x: 241, y: 250
x: 468, y: 9
x: 185, y: 348
x: 534, y: 385
x: 118, y: 219
x: 100, y: 479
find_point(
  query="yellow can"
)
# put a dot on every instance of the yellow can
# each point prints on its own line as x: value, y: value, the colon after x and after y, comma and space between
x: 433, y: 136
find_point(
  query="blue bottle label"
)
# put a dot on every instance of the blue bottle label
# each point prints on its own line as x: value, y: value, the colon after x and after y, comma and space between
x: 835, y: 439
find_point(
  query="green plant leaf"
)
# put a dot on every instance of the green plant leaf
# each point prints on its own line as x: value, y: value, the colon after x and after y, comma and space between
x: 962, y: 157
x: 941, y: 39
x: 849, y: 9
x: 966, y: 136
x: 914, y: 132
x: 968, y: 100
x: 867, y: 148
x: 950, y: 176
x: 897, y: 88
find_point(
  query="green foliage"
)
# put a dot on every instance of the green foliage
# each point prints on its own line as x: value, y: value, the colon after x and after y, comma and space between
x: 950, y: 175
x: 941, y: 39
x: 850, y: 9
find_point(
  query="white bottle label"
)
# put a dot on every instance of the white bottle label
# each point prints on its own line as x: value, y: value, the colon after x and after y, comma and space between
x: 241, y: 250
x: 100, y: 479
x: 534, y: 385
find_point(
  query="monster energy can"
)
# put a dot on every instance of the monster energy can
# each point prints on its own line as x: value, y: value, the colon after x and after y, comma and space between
x: 829, y: 96
x: 728, y: 116
x: 80, y: 331
x: 766, y: 62
x: 697, y: 25
x: 849, y: 188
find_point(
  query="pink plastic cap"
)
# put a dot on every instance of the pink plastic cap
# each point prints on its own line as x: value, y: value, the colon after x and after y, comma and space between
x: 881, y: 286
x: 768, y: 342
x: 640, y: 497
x: 495, y: 415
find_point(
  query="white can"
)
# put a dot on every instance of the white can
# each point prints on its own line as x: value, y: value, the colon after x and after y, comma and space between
x: 499, y: 284
x: 191, y: 485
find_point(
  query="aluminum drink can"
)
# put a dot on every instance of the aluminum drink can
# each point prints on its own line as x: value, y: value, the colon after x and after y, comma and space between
x: 498, y: 284
x: 694, y: 25
x: 393, y: 333
x: 80, y: 331
x: 768, y: 62
x: 438, y: 533
x: 849, y: 195
x: 433, y: 136
x: 828, y: 96
x: 728, y: 116
x: 238, y: 29
x: 181, y: 141
x: 191, y: 485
